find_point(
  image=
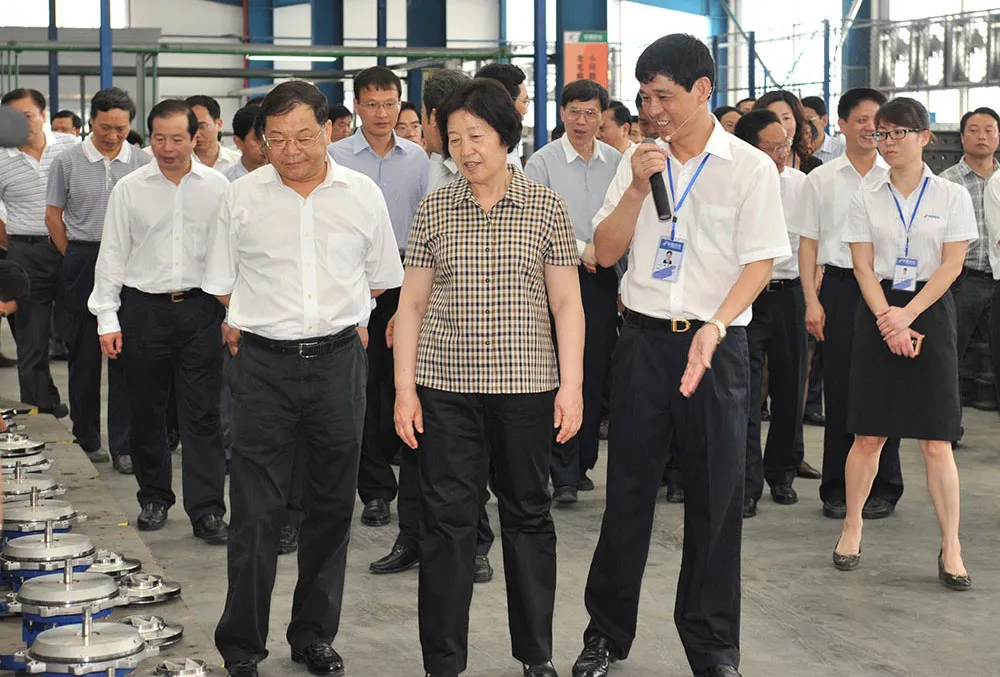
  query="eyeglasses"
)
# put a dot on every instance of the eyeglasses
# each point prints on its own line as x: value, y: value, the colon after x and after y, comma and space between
x: 576, y: 113
x: 895, y: 134
x: 373, y: 106
x: 778, y: 149
x: 280, y: 143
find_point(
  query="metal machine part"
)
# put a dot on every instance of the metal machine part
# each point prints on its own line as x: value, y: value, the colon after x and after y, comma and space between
x: 179, y: 667
x: 47, y: 551
x: 34, y: 461
x: 142, y: 588
x: 25, y: 518
x: 18, y: 444
x: 114, y: 564
x: 154, y: 630
x: 66, y: 593
x: 18, y: 487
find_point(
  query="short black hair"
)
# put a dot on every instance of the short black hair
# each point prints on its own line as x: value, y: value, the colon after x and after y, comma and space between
x: 14, y: 283
x: 638, y: 103
x: 852, y: 98
x: 681, y: 57
x: 816, y: 103
x: 507, y: 74
x: 585, y: 90
x: 485, y: 98
x: 133, y: 138
x: 749, y: 99
x: 378, y: 77
x: 339, y: 111
x: 210, y: 104
x: 13, y: 95
x: 557, y: 132
x: 725, y: 110
x: 749, y: 127
x: 77, y: 122
x: 983, y: 110
x: 110, y: 99
x: 623, y: 116
x: 245, y: 120
x: 800, y: 145
x: 170, y: 107
x: 287, y: 96
x: 438, y: 87
x: 904, y: 112
x: 406, y: 105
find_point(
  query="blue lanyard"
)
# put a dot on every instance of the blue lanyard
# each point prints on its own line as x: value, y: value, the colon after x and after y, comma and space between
x: 908, y: 225
x: 680, y: 203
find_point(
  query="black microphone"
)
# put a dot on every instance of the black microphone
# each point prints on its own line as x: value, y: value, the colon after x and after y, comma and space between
x: 659, y: 193
x: 13, y: 128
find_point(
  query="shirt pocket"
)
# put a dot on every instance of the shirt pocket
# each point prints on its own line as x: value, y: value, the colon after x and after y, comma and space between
x: 344, y: 254
x: 716, y: 230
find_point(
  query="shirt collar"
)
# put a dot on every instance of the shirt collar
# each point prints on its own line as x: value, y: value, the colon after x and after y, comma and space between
x: 843, y: 162
x: 50, y: 138
x: 152, y: 170
x: 334, y: 172
x: 964, y: 167
x: 571, y: 152
x: 883, y: 179
x: 517, y: 191
x: 719, y: 143
x: 94, y: 155
x: 448, y: 164
x: 359, y: 143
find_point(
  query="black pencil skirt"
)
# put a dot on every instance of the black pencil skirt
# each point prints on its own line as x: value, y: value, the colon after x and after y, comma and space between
x: 894, y: 396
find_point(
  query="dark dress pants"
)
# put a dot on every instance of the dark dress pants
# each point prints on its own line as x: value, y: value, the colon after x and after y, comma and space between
x: 289, y: 406
x: 380, y: 442
x: 599, y: 292
x: 43, y: 264
x: 463, y: 435
x: 973, y: 293
x: 814, y: 397
x: 175, y: 346
x: 995, y: 337
x: 86, y: 360
x: 840, y: 296
x: 710, y: 428
x: 778, y: 333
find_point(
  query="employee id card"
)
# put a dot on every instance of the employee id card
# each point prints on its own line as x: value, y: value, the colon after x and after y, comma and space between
x: 668, y: 261
x: 905, y: 276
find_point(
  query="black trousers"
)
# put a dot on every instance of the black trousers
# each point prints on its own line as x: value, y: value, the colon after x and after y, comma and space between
x: 289, y: 406
x: 778, y: 333
x: 840, y: 296
x: 463, y: 434
x: 408, y: 505
x: 710, y: 428
x: 814, y: 398
x: 995, y: 336
x: 599, y: 292
x: 43, y: 264
x: 175, y: 346
x: 86, y: 360
x: 380, y: 442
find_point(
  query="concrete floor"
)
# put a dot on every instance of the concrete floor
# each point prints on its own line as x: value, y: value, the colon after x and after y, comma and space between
x: 800, y: 616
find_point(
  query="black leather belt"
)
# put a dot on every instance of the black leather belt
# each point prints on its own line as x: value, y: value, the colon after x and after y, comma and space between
x: 172, y: 296
x: 28, y: 239
x: 836, y: 271
x: 85, y: 243
x: 673, y: 325
x: 778, y: 285
x: 306, y: 348
x: 972, y: 272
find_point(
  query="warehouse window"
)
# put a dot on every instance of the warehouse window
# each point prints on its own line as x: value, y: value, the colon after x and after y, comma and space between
x: 76, y: 14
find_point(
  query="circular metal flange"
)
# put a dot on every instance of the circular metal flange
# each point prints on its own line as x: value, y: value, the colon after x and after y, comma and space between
x: 17, y: 489
x: 23, y: 516
x: 144, y: 588
x: 180, y: 667
x: 31, y: 553
x: 33, y: 461
x: 114, y: 564
x: 12, y: 442
x: 154, y: 630
x: 66, y: 645
x: 47, y: 596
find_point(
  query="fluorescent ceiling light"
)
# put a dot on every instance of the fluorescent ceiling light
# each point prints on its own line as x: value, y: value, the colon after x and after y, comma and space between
x: 290, y: 57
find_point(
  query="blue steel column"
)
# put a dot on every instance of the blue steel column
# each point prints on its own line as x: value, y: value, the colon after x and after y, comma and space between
x: 381, y: 26
x: 426, y: 26
x: 577, y: 15
x: 826, y: 64
x: 106, y: 57
x: 327, y: 30
x: 260, y: 30
x: 719, y: 23
x: 752, y: 64
x: 541, y: 76
x: 53, y: 62
x: 857, y: 49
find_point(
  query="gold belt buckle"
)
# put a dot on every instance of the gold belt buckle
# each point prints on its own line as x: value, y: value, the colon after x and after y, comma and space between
x: 679, y: 325
x: 176, y: 296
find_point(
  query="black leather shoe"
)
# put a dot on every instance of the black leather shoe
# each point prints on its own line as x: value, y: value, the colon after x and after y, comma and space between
x: 564, y: 495
x: 59, y: 410
x: 320, y: 659
x: 877, y: 508
x: 212, y: 529
x: 595, y: 659
x: 540, y: 670
x: 585, y: 483
x: 675, y: 493
x: 784, y: 494
x: 814, y: 419
x: 401, y: 558
x: 951, y: 581
x: 376, y: 513
x: 482, y: 572
x: 835, y: 508
x: 721, y: 671
x: 152, y: 517
x: 288, y: 541
x: 242, y: 669
x: 749, y: 507
x: 807, y: 472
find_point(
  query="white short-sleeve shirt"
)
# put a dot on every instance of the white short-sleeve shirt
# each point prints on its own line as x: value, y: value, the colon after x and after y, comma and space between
x: 945, y: 214
x: 731, y: 217
x: 991, y: 212
x: 793, y: 205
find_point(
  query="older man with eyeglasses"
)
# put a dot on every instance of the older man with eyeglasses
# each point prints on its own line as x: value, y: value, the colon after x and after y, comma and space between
x: 401, y: 169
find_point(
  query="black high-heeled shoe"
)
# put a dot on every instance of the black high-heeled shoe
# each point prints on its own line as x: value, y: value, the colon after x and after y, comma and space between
x: 846, y: 562
x: 951, y: 581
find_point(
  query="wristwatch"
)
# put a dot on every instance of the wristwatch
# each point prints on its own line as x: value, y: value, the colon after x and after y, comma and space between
x: 721, y: 326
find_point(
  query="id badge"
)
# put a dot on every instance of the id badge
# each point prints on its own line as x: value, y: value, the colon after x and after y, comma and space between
x: 668, y: 261
x: 905, y: 276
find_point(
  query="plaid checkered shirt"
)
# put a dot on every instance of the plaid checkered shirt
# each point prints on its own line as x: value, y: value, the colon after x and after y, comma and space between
x: 978, y: 255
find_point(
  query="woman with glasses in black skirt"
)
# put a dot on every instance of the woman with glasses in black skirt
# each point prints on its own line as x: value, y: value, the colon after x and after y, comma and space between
x: 908, y: 233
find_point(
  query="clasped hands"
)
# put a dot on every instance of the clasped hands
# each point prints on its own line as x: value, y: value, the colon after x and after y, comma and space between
x: 894, y: 325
